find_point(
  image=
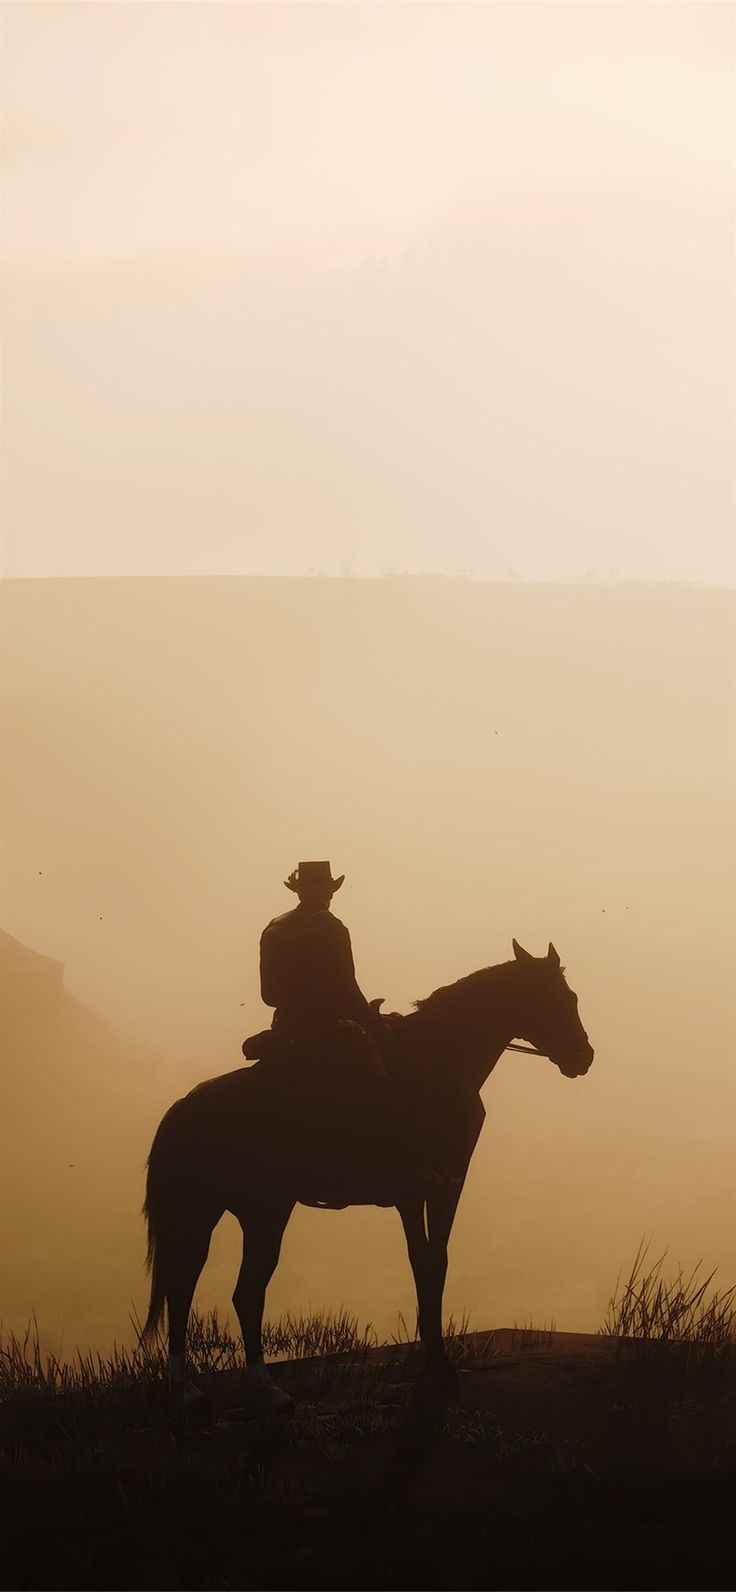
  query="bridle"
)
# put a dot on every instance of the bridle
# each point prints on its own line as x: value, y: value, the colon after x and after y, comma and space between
x: 526, y: 1050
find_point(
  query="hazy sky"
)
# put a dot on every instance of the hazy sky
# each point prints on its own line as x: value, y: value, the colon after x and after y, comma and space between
x: 365, y: 286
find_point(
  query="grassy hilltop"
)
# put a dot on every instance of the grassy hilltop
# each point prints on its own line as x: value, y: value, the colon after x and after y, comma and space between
x: 558, y: 1460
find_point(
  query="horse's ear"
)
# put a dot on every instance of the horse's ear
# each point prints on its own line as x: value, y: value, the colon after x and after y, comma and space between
x: 553, y: 955
x: 520, y: 954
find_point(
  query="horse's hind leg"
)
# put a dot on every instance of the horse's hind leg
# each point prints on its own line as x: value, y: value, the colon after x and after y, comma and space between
x: 263, y: 1231
x: 190, y: 1254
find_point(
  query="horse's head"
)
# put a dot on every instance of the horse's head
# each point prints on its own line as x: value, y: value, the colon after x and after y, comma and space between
x: 548, y: 1013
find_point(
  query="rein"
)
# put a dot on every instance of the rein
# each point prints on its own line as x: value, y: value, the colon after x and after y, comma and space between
x: 526, y: 1050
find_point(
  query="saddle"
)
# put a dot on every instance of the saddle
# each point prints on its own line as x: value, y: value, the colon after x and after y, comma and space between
x: 334, y: 1049
x: 338, y: 1038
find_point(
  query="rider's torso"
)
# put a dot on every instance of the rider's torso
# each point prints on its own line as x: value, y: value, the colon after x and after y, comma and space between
x: 307, y: 969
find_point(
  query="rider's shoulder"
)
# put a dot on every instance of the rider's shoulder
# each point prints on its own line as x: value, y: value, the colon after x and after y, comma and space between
x: 284, y: 917
x: 325, y: 925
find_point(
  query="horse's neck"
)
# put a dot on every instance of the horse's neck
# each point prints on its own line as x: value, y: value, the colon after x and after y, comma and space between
x: 467, y: 1037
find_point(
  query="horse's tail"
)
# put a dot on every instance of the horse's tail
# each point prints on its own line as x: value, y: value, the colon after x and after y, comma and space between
x: 165, y: 1170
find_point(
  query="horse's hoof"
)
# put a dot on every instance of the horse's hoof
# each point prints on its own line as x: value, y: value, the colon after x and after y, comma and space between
x: 261, y: 1401
x: 187, y: 1401
x: 278, y: 1401
x: 261, y: 1396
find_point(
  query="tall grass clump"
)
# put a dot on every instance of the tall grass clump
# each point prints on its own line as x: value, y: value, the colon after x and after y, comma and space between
x: 462, y: 1346
x: 29, y: 1371
x: 326, y: 1332
x: 695, y: 1321
x: 531, y: 1337
x: 26, y: 1370
x: 319, y: 1346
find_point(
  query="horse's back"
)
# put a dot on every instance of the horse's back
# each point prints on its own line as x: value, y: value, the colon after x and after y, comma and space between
x: 343, y: 1140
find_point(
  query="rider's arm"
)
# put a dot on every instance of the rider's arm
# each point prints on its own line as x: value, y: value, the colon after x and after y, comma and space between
x: 269, y: 994
x: 353, y: 1000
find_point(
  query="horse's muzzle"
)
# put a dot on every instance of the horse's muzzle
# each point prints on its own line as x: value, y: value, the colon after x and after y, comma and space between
x: 576, y: 1066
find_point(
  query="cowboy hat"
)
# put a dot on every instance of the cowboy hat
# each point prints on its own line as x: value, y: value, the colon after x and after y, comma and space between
x: 312, y: 876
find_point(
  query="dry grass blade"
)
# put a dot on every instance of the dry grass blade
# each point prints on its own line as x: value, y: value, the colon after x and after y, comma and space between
x: 684, y: 1312
x: 532, y: 1337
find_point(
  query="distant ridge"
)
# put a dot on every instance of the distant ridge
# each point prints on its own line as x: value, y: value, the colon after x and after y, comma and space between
x: 20, y: 965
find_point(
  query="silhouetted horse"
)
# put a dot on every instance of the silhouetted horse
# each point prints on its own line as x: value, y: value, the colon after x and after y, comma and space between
x: 256, y: 1143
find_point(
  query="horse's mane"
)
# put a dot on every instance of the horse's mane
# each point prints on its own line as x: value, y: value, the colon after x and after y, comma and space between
x: 471, y: 992
x: 465, y: 992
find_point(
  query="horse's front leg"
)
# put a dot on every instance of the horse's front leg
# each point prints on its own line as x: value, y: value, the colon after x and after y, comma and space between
x: 263, y: 1230
x: 441, y: 1210
x: 429, y: 1278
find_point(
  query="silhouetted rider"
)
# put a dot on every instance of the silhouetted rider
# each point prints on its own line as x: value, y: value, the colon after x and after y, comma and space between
x: 307, y: 968
x: 308, y: 975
